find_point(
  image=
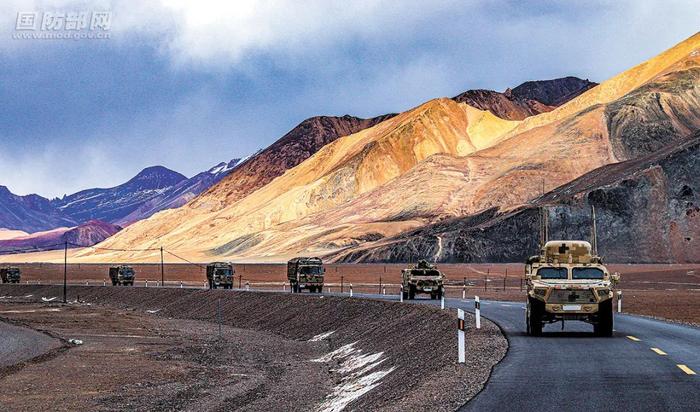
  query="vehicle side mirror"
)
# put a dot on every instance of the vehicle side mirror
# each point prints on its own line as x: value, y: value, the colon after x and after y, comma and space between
x: 615, y: 277
x: 324, y: 270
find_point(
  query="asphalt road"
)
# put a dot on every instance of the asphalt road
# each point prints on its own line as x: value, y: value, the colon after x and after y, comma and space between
x: 18, y: 344
x: 636, y: 369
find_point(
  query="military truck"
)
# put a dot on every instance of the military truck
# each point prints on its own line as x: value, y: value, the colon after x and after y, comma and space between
x: 220, y: 274
x: 305, y: 273
x: 10, y: 274
x: 422, y: 278
x: 122, y: 275
x: 568, y: 281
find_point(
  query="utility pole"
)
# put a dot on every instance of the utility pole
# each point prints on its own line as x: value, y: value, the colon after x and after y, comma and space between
x: 162, y: 268
x: 65, y: 271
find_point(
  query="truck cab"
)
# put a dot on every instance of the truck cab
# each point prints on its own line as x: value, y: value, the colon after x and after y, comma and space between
x: 10, y: 274
x: 305, y: 273
x: 122, y: 275
x: 220, y: 274
x: 567, y: 281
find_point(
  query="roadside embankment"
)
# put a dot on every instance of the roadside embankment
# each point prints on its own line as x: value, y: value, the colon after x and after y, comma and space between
x: 379, y: 355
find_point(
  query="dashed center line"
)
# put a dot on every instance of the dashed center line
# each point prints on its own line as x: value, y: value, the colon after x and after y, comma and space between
x: 686, y: 369
x: 630, y: 337
x: 659, y: 351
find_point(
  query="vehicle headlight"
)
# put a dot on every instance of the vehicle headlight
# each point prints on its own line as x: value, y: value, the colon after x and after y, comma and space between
x: 603, y: 292
x: 540, y: 291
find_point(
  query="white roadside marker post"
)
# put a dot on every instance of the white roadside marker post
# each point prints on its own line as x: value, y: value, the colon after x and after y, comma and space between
x: 384, y: 291
x: 104, y: 283
x: 351, y: 290
x: 284, y: 287
x: 477, y: 311
x: 247, y: 286
x: 460, y: 336
x: 180, y: 284
x: 464, y: 293
x: 401, y: 293
x: 619, y: 301
x: 146, y: 282
x: 442, y: 298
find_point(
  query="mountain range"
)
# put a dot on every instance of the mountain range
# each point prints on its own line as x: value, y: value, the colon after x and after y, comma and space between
x: 90, y: 216
x: 463, y: 179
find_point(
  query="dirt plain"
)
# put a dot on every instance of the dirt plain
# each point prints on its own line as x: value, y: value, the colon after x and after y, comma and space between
x: 160, y: 349
x: 670, y: 291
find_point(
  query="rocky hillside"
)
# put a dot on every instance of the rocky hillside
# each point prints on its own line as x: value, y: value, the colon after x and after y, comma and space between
x: 86, y: 234
x: 291, y: 149
x: 553, y: 92
x: 528, y: 99
x: 647, y: 211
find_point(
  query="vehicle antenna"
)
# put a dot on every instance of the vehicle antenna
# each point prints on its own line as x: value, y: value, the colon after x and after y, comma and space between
x: 594, y: 232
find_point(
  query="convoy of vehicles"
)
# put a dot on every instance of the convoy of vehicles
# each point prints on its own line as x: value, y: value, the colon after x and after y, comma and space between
x: 305, y: 273
x: 220, y: 275
x: 10, y: 274
x: 422, y: 278
x: 122, y: 275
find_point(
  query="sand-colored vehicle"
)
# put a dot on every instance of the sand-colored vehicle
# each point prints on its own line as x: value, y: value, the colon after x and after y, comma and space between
x: 422, y: 278
x: 122, y: 275
x: 10, y: 274
x: 305, y: 273
x: 220, y: 275
x: 568, y: 281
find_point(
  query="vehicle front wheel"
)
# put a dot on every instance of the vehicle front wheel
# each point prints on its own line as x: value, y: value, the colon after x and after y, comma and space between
x: 604, y: 326
x: 534, y: 317
x: 412, y: 293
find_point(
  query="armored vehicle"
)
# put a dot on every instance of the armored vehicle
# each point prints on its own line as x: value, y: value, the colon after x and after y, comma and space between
x: 422, y: 278
x: 305, y: 273
x: 568, y: 281
x: 122, y: 275
x: 10, y: 274
x: 220, y: 274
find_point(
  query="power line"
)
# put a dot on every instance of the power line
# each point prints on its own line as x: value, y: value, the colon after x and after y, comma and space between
x: 182, y: 258
x: 116, y: 249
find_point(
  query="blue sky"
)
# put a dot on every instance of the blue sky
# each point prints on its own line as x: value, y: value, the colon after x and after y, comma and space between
x: 189, y: 84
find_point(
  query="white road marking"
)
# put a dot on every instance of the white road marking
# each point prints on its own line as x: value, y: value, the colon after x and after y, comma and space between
x: 659, y: 351
x: 686, y: 369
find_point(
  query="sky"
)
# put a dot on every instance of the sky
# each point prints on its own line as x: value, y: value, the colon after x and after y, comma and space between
x: 187, y: 85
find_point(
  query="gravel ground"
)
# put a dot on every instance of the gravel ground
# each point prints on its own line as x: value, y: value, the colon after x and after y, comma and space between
x: 373, y: 355
x: 135, y: 361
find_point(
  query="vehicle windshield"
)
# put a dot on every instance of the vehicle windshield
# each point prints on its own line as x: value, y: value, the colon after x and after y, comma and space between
x: 587, y: 273
x: 127, y: 272
x: 424, y: 272
x: 552, y: 273
x: 223, y: 272
x: 311, y: 270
